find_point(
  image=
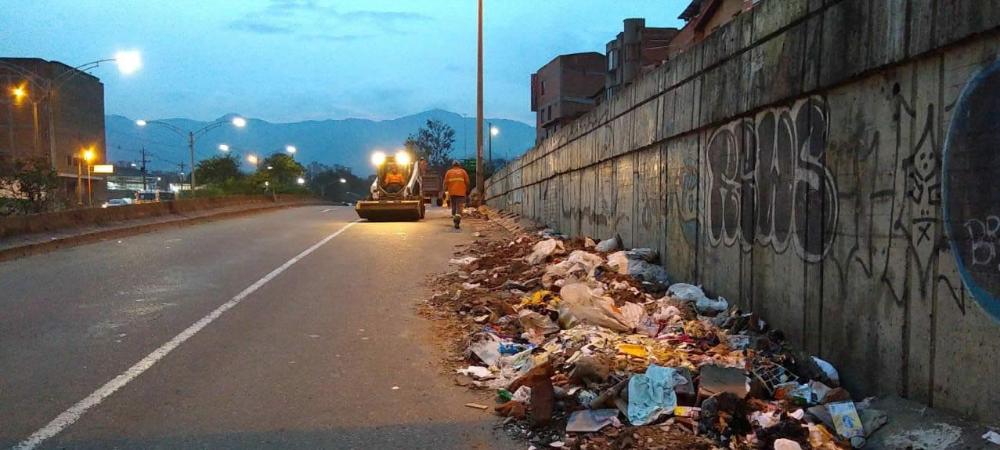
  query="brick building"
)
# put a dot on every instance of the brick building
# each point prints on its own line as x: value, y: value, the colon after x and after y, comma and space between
x: 57, y: 112
x: 705, y: 16
x: 635, y: 51
x: 564, y: 89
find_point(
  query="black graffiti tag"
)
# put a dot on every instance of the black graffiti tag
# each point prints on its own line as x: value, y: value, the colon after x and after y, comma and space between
x: 767, y: 182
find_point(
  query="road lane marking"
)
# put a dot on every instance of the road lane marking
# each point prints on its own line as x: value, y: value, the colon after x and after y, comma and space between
x: 71, y: 415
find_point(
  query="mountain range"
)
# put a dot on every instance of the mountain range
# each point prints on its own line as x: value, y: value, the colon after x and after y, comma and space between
x: 348, y: 142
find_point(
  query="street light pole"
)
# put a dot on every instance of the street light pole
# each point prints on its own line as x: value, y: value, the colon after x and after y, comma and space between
x: 490, y: 148
x: 79, y: 180
x: 479, y: 110
x: 90, y: 188
x: 192, y: 136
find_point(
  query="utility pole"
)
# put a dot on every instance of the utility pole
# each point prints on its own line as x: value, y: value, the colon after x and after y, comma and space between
x: 142, y: 169
x: 191, y: 147
x: 489, y: 157
x: 479, y: 112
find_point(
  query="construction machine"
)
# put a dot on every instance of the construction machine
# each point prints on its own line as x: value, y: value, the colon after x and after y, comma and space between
x: 395, y: 194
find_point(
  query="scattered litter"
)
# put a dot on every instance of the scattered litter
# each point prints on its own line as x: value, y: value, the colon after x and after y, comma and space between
x: 591, y: 420
x: 575, y: 335
x: 395, y: 388
x: 543, y: 250
x: 786, y: 444
x: 846, y: 420
x: 651, y: 394
x: 638, y: 268
x: 993, y: 437
x: 609, y: 245
x: 465, y: 261
x: 580, y: 305
x: 828, y: 369
x: 477, y: 372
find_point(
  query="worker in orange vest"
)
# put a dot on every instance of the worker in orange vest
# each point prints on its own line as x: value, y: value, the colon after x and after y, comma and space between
x: 394, y: 177
x: 456, y: 183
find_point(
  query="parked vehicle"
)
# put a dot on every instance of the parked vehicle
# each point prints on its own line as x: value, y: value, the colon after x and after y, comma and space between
x: 116, y: 202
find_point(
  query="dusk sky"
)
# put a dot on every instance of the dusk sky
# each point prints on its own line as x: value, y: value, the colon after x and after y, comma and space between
x: 292, y: 60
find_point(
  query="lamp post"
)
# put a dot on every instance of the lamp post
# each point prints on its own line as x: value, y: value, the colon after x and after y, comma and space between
x: 254, y: 160
x: 192, y: 136
x: 128, y: 62
x: 479, y: 110
x: 86, y: 156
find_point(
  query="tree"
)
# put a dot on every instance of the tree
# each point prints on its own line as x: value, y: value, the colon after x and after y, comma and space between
x: 27, y: 185
x: 218, y: 169
x: 281, y: 170
x: 433, y: 142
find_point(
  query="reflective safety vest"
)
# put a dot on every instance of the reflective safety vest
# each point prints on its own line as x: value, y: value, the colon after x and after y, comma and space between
x: 396, y: 178
x: 456, y: 182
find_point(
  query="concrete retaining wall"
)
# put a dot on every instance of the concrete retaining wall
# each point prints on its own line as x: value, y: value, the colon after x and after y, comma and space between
x: 36, y: 223
x: 827, y: 163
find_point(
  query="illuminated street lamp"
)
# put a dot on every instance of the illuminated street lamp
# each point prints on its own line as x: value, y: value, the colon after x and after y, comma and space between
x: 291, y: 149
x: 253, y: 160
x: 493, y: 132
x: 342, y: 180
x: 128, y: 62
x: 301, y: 181
x: 224, y: 147
x: 192, y: 136
x: 87, y: 155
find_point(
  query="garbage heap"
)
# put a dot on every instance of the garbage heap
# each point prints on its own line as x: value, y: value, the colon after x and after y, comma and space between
x: 590, y: 346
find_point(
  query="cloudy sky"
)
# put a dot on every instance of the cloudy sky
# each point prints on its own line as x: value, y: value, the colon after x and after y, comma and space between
x: 291, y: 60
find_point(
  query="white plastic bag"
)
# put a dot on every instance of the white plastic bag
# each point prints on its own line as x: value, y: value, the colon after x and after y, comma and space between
x: 543, y: 250
x: 581, y: 305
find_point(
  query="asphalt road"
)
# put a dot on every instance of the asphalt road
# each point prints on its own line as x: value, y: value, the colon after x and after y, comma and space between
x: 325, y: 352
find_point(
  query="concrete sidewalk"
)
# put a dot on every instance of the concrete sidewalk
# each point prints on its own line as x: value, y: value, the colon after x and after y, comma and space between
x: 35, y: 243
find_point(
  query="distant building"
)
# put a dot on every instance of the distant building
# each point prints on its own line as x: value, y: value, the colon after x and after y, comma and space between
x: 705, y: 16
x: 54, y: 125
x: 564, y: 89
x: 637, y: 50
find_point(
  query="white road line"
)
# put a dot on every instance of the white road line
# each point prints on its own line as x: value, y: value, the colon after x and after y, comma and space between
x: 327, y: 210
x: 74, y: 413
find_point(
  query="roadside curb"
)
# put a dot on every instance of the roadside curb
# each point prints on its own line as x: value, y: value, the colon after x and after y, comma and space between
x: 37, y: 248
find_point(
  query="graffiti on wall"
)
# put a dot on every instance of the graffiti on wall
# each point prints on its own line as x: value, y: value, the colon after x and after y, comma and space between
x: 894, y: 228
x: 971, y: 195
x: 686, y: 198
x: 767, y: 182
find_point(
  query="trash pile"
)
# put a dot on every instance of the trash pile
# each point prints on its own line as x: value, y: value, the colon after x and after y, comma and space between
x: 590, y: 346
